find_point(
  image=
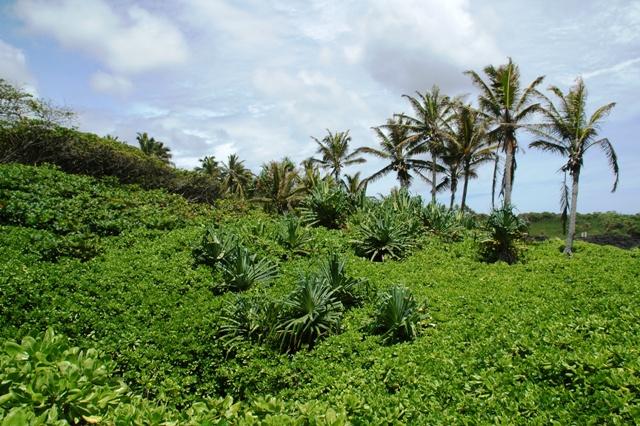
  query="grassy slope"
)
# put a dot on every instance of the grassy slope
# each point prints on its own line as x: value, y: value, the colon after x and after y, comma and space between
x: 550, y: 225
x: 550, y: 339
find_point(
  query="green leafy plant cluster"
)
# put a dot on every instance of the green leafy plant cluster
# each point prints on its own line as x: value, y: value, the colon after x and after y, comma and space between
x: 44, y: 381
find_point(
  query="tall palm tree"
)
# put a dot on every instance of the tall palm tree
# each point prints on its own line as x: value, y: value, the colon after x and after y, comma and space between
x: 209, y: 166
x: 568, y: 131
x: 235, y: 176
x: 334, y: 152
x: 467, y: 147
x: 278, y: 185
x: 154, y: 148
x: 507, y: 106
x: 400, y: 148
x: 431, y: 113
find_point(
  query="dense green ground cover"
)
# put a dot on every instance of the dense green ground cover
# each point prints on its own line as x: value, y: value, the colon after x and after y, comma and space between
x: 549, y: 339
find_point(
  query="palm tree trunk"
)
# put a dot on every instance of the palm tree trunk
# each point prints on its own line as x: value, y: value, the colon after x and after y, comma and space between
x: 464, y: 190
x: 568, y: 247
x: 454, y: 187
x: 508, y: 169
x: 434, y: 177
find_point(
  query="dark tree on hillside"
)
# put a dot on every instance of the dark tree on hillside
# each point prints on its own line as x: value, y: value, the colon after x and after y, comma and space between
x: 154, y: 148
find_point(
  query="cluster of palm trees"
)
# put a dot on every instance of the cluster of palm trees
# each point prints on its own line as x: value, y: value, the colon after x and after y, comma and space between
x: 442, y: 141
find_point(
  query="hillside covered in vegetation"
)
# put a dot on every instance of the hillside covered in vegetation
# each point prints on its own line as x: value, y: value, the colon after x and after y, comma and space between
x: 144, y: 308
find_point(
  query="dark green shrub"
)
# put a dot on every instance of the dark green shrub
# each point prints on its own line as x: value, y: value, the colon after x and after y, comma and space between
x: 504, y: 230
x: 326, y: 205
x: 242, y: 270
x: 397, y: 317
x: 28, y: 142
x: 310, y: 313
x: 45, y: 381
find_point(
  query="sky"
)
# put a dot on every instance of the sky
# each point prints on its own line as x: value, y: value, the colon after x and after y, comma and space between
x: 260, y: 77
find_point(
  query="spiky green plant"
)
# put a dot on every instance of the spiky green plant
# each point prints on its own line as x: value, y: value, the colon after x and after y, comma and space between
x: 243, y: 270
x: 246, y: 318
x: 215, y: 246
x: 326, y: 205
x: 441, y: 221
x: 293, y: 235
x: 346, y: 289
x: 382, y: 234
x: 504, y: 229
x: 397, y: 316
x: 311, y: 312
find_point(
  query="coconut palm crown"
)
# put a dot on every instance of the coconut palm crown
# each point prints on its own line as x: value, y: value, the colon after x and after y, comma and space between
x: 334, y: 153
x: 400, y: 148
x: 431, y: 113
x: 508, y: 107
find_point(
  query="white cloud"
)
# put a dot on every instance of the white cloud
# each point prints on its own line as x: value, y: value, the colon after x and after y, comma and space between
x: 14, y: 69
x: 135, y: 42
x: 422, y: 42
x: 109, y: 83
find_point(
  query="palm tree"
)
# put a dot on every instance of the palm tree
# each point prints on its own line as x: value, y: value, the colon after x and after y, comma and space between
x: 467, y: 148
x: 235, y: 176
x: 353, y: 184
x: 400, y: 148
x: 567, y: 131
x: 310, y: 175
x: 209, y: 166
x: 507, y: 106
x: 278, y: 185
x: 334, y: 151
x: 154, y: 148
x: 432, y: 111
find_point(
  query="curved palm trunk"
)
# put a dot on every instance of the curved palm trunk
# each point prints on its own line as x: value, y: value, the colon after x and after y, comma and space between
x: 508, y: 169
x: 434, y: 177
x: 568, y: 247
x: 463, y: 203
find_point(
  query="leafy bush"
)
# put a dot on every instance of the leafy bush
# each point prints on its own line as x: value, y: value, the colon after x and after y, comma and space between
x: 326, y: 205
x: 292, y: 235
x: 309, y: 313
x: 45, y: 381
x: 382, y: 234
x: 397, y: 317
x: 242, y: 270
x: 504, y: 229
x: 215, y: 247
